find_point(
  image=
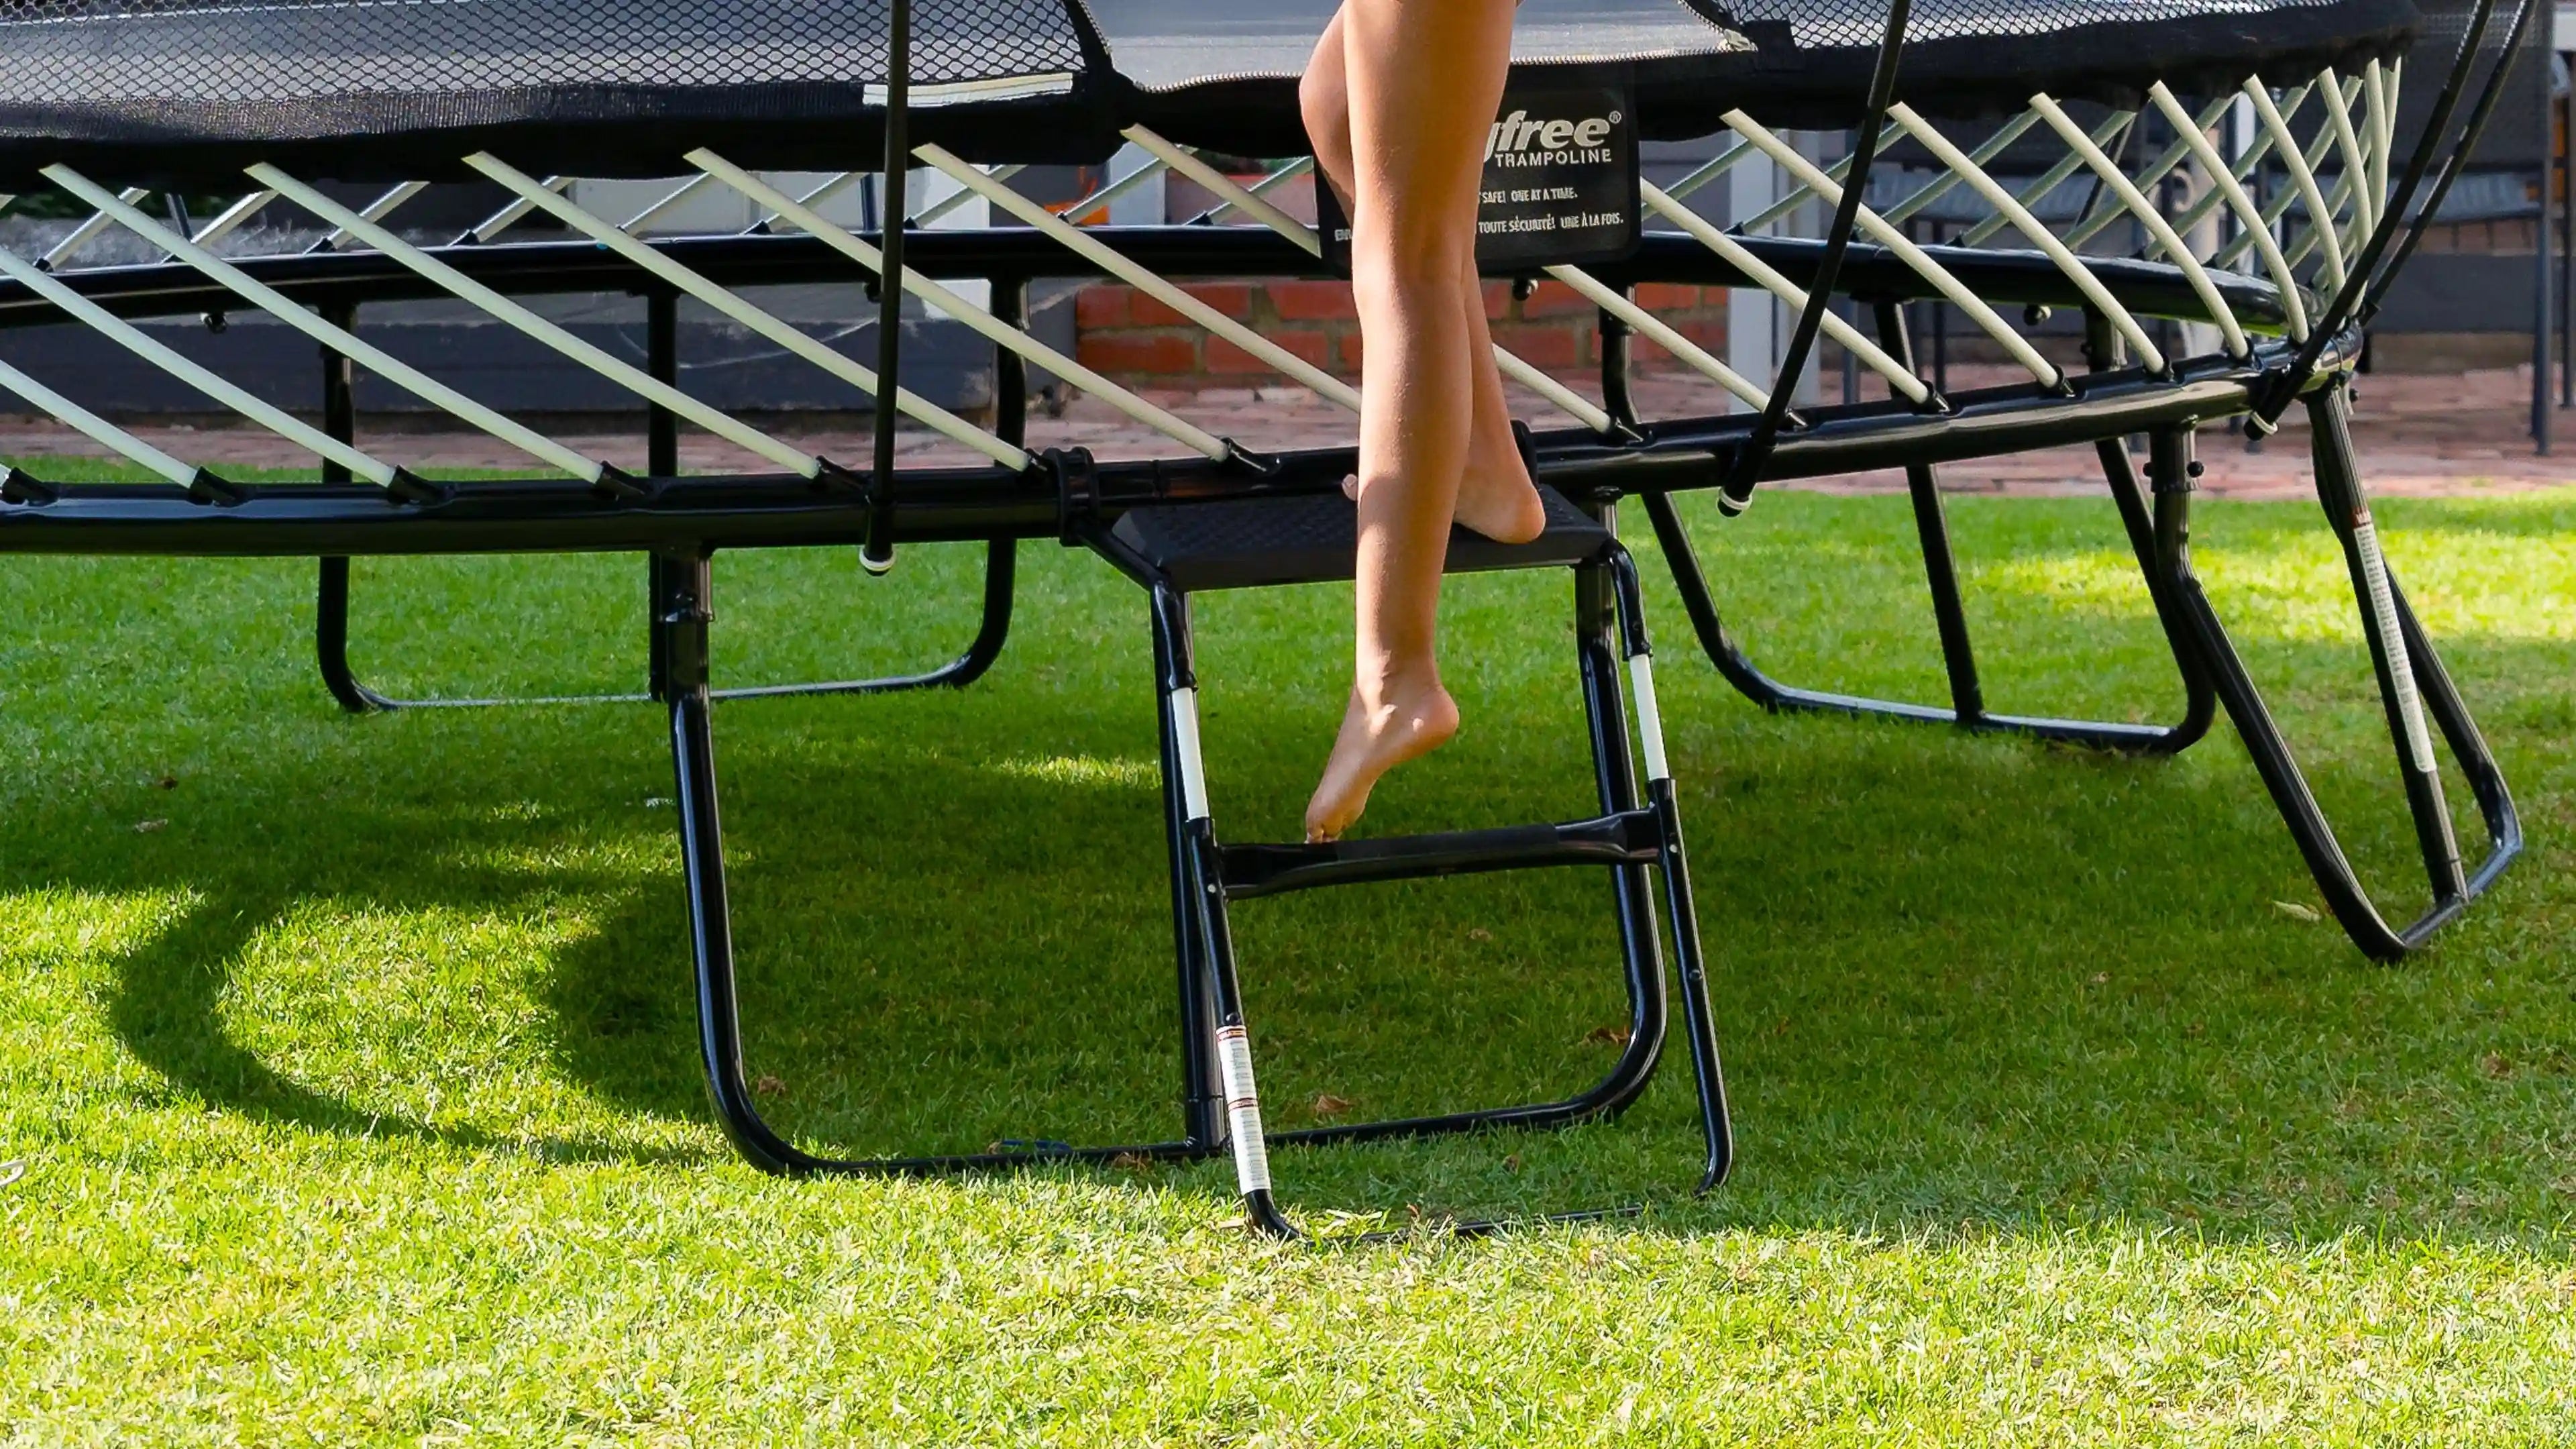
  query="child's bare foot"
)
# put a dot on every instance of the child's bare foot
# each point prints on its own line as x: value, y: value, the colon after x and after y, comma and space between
x: 1505, y: 509
x: 1406, y: 724
x: 1500, y: 503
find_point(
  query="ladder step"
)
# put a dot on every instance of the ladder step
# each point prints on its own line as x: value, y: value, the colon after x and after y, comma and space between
x: 1314, y: 538
x: 1629, y: 837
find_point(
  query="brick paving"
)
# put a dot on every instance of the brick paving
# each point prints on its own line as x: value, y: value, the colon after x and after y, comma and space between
x: 2419, y: 435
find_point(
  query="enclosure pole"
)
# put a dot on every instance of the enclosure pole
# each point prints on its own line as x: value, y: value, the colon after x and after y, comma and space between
x: 877, y: 554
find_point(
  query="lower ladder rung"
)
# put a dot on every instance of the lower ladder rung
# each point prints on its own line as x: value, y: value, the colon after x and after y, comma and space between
x: 1629, y: 837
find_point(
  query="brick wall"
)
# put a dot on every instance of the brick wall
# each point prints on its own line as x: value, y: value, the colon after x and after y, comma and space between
x: 1136, y: 339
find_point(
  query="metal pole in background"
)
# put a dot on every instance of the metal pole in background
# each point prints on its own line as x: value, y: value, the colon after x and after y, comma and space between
x: 2566, y: 169
x: 2544, y: 50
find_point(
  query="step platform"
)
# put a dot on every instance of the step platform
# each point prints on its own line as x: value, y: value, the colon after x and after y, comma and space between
x: 1261, y: 542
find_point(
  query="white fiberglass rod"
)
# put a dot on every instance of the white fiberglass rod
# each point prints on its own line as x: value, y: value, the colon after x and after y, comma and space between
x: 2306, y: 245
x: 2281, y: 202
x: 1565, y: 399
x: 508, y: 216
x: 992, y: 328
x: 2356, y: 162
x: 142, y: 344
x: 2284, y: 280
x: 1219, y: 184
x: 97, y: 429
x: 948, y: 424
x: 231, y: 218
x: 1150, y: 169
x: 830, y: 188
x: 1268, y: 184
x: 955, y: 199
x: 376, y: 210
x: 2040, y: 236
x: 2210, y: 200
x: 2051, y: 179
x: 2157, y: 227
x: 2303, y: 175
x: 1986, y: 151
x: 2379, y: 96
x: 2151, y: 173
x: 676, y: 197
x: 1075, y: 240
x: 88, y: 231
x: 1710, y: 170
x: 503, y: 309
x: 1659, y: 332
x: 1735, y: 254
x: 1906, y: 251
x: 1798, y: 195
x: 374, y: 359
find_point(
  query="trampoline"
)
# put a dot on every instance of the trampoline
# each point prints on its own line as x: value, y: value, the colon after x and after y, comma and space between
x: 2241, y: 215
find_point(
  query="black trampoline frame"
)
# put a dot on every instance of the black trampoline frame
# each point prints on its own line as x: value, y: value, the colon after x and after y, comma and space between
x: 681, y: 522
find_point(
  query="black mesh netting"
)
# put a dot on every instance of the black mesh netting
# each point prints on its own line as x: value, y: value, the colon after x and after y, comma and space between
x: 223, y: 51
x: 199, y: 73
x: 1831, y: 23
x: 1987, y: 57
x: 182, y: 91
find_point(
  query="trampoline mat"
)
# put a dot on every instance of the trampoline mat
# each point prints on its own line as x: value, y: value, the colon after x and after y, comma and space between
x: 173, y: 92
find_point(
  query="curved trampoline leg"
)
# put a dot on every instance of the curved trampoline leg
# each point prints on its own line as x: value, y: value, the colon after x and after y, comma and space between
x: 1739, y: 670
x: 662, y: 460
x: 1949, y: 615
x: 2412, y: 683
x: 331, y: 641
x: 682, y: 617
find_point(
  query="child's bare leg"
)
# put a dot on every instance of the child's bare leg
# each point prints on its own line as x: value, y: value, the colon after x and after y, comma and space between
x: 1424, y: 78
x: 1495, y: 497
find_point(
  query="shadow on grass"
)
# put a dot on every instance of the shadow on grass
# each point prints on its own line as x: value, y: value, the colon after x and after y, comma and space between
x: 2042, y: 986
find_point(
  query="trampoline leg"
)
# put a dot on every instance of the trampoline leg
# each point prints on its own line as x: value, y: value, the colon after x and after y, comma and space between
x: 1932, y: 533
x: 662, y: 460
x: 1739, y: 670
x: 682, y: 617
x: 331, y: 641
x: 331, y: 590
x: 2411, y: 679
x: 1949, y: 614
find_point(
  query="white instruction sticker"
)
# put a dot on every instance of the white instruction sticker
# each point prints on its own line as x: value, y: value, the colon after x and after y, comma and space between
x: 1243, y: 1109
x: 2401, y: 667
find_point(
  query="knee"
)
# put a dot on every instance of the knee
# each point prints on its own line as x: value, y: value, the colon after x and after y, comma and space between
x: 1395, y: 269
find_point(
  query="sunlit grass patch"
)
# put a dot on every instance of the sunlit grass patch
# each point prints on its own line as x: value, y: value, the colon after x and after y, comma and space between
x: 358, y: 1099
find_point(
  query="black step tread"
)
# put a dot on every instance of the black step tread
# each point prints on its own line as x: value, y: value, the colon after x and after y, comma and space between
x: 1625, y: 838
x: 1314, y: 538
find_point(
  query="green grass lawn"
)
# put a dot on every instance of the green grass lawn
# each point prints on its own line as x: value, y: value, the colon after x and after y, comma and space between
x: 350, y: 1064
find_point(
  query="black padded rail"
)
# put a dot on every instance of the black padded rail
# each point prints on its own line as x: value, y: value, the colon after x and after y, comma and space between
x: 1310, y: 539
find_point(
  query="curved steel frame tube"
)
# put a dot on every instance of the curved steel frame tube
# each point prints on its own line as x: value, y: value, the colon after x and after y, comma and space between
x: 2411, y: 679
x: 1967, y: 697
x: 331, y: 592
x: 1207, y: 991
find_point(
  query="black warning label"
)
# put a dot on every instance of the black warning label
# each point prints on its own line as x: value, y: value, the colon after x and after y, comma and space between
x: 1560, y: 183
